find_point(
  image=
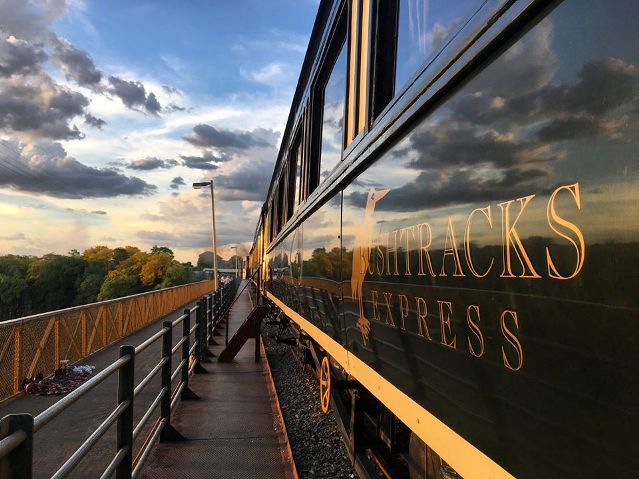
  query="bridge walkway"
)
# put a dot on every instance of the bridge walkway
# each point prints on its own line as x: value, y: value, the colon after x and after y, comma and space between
x: 234, y: 429
x: 60, y: 438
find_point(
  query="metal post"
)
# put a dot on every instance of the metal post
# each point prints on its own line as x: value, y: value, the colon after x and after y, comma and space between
x: 209, y: 310
x: 19, y: 462
x: 169, y: 433
x: 125, y: 421
x: 186, y: 345
x: 200, y: 334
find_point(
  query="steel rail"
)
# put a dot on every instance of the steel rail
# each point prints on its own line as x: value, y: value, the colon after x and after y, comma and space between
x: 148, y: 342
x: 178, y: 320
x: 147, y: 414
x: 52, y: 411
x: 149, y: 376
x: 9, y: 443
x: 115, y: 462
x: 177, y: 346
x: 176, y: 396
x: 147, y: 449
x: 178, y: 370
x: 193, y: 347
x: 89, y: 442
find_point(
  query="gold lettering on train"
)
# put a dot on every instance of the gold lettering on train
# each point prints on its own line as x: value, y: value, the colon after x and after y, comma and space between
x: 444, y: 324
x: 391, y: 250
x: 473, y: 325
x: 467, y: 250
x: 512, y: 339
x: 555, y: 221
x: 388, y: 299
x: 403, y: 311
x: 451, y: 250
x: 375, y: 296
x: 423, y: 249
x: 511, y: 238
x: 405, y: 231
x: 422, y: 317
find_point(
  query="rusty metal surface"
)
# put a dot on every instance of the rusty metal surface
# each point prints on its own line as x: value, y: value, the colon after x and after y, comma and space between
x: 233, y: 430
x: 37, y: 343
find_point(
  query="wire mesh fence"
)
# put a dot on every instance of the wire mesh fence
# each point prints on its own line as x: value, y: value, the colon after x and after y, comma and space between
x: 37, y: 344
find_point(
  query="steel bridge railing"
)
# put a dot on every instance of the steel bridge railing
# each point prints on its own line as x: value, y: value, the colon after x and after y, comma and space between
x: 17, y: 430
x: 37, y: 344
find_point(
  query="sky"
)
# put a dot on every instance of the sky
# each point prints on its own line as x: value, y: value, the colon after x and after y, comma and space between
x: 109, y: 111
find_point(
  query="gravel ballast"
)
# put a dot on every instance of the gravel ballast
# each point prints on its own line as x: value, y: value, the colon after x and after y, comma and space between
x: 316, y: 442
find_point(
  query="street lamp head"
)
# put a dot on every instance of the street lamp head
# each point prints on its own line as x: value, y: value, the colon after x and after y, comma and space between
x: 203, y: 184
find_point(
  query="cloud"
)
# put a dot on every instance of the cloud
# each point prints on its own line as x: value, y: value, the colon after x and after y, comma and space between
x: 172, y: 108
x: 208, y: 161
x: 171, y: 90
x: 18, y: 57
x: 75, y: 63
x: 177, y: 182
x: 30, y: 20
x: 248, y: 182
x: 133, y: 95
x: 40, y: 108
x: 44, y: 168
x: 151, y: 163
x: 14, y: 237
x: 207, y: 136
x: 94, y: 121
x: 99, y: 212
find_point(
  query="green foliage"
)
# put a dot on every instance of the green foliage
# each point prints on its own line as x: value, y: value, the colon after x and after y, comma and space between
x: 177, y: 274
x: 30, y: 285
x: 119, y: 286
x: 162, y: 249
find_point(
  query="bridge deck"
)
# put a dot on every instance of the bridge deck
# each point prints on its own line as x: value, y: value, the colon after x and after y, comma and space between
x: 233, y: 430
x: 60, y: 438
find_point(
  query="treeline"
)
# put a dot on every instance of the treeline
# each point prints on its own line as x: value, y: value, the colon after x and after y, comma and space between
x: 30, y: 284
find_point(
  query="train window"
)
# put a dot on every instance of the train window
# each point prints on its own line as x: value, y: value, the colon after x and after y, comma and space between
x: 295, y: 177
x: 423, y: 29
x: 281, y: 202
x: 333, y: 116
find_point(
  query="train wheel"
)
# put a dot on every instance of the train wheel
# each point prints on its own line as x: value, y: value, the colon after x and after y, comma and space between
x: 325, y: 384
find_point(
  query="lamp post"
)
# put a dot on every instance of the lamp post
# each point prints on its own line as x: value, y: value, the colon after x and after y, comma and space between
x: 197, y: 186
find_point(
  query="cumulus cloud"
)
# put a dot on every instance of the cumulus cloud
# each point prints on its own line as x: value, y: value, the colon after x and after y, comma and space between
x: 208, y: 161
x: 18, y: 57
x: 13, y: 237
x: 94, y: 121
x: 246, y: 183
x: 44, y: 168
x: 75, y: 63
x: 133, y: 95
x: 177, y: 182
x: 207, y: 136
x: 151, y: 163
x: 40, y: 107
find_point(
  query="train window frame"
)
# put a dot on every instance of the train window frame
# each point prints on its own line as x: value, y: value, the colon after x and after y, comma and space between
x: 337, y: 40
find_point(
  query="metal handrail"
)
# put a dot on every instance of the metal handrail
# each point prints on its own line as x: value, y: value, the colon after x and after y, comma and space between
x: 207, y: 314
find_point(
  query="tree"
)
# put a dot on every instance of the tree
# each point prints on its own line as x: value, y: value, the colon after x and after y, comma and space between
x: 59, y: 277
x: 119, y: 286
x: 177, y: 274
x: 162, y: 249
x: 99, y: 254
x: 14, y: 284
x: 119, y: 255
x: 155, y: 268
